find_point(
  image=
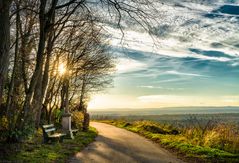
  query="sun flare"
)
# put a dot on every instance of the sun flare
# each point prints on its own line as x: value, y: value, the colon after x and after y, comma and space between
x: 62, y: 69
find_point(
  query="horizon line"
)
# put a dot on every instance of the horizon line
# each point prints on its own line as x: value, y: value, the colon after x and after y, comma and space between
x: 235, y: 106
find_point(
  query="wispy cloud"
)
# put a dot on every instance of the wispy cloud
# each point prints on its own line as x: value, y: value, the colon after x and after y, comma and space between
x: 187, y: 27
x: 129, y: 65
x: 159, y: 87
x: 184, y: 74
x: 171, y: 80
x: 150, y: 87
x: 191, y: 62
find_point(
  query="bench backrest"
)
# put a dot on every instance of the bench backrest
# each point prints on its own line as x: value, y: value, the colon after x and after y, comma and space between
x: 48, y: 129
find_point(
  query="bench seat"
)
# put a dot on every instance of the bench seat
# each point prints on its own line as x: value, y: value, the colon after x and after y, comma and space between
x: 50, y: 134
x: 56, y: 135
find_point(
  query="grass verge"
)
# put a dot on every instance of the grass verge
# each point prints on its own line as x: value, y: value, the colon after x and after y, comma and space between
x: 35, y: 151
x: 167, y: 137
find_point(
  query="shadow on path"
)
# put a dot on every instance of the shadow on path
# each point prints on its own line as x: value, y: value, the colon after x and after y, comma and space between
x: 117, y: 145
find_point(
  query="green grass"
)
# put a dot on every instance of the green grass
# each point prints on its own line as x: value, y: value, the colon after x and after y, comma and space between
x: 178, y: 143
x: 35, y: 151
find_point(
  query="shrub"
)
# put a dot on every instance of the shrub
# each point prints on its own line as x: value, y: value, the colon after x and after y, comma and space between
x: 221, y: 136
x: 3, y: 127
x: 3, y: 123
x: 154, y: 127
x: 127, y: 124
x: 77, y: 119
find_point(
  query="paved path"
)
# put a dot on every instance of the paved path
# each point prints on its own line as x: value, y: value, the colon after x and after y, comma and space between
x: 115, y: 145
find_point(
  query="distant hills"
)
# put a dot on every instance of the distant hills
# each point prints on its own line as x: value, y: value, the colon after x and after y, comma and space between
x: 169, y: 110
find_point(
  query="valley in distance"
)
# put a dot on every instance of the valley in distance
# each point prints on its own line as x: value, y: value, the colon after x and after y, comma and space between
x: 171, y: 115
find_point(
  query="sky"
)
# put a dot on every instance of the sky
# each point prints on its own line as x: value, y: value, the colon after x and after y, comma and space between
x: 193, y: 61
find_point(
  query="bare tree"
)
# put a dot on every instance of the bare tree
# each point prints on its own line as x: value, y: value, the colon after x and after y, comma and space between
x: 47, y: 32
x: 4, y: 43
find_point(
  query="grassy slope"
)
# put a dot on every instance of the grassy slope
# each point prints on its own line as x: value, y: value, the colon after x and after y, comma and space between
x: 35, y: 151
x: 178, y: 143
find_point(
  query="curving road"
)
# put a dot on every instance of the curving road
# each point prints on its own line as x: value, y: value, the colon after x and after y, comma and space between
x: 115, y: 145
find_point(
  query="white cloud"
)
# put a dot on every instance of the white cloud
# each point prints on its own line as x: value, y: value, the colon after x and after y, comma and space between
x: 171, y: 80
x: 150, y: 87
x: 188, y: 29
x: 235, y: 64
x: 159, y: 87
x: 171, y: 47
x: 184, y: 74
x: 129, y: 65
x: 146, y: 86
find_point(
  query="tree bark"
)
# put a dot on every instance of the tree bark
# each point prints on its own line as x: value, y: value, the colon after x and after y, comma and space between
x: 86, y: 122
x: 39, y: 65
x: 44, y: 79
x: 4, y: 43
x: 81, y: 106
x: 43, y: 84
x: 11, y: 98
x: 45, y: 19
x: 37, y: 101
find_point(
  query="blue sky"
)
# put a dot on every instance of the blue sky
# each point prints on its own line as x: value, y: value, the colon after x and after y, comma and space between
x: 193, y: 61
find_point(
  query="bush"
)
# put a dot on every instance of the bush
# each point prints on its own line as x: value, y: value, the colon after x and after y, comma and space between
x: 77, y: 119
x: 3, y: 123
x: 224, y: 137
x: 221, y: 136
x: 154, y: 127
x: 3, y: 127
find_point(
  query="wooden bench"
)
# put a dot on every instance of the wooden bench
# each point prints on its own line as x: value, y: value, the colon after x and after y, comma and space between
x: 50, y: 134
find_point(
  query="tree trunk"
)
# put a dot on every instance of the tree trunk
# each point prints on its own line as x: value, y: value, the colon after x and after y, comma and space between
x: 37, y: 100
x: 46, y: 23
x: 86, y: 122
x: 4, y: 43
x: 81, y: 106
x: 43, y: 86
x: 38, y: 69
x: 45, y: 77
x: 14, y: 84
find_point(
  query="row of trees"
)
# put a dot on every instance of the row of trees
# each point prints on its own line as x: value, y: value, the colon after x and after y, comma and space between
x: 53, y: 55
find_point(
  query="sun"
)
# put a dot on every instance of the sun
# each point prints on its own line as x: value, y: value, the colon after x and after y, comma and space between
x: 61, y: 69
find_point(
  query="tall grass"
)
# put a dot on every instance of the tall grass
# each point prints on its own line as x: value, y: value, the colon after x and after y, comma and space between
x: 207, y: 140
x: 213, y: 134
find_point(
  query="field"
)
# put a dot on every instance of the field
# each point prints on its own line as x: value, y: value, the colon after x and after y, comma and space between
x: 177, y: 119
x: 193, y: 137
